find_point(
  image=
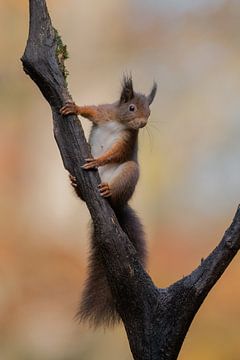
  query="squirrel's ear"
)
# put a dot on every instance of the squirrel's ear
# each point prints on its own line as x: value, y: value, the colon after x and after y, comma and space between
x: 152, y: 94
x: 127, y: 93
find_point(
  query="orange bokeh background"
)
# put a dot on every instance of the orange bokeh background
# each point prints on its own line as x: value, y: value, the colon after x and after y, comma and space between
x: 189, y: 156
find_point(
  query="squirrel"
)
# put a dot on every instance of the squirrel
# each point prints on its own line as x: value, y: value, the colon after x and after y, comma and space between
x: 113, y: 140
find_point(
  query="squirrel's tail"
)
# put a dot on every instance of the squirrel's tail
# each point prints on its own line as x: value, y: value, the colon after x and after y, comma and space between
x: 97, y: 305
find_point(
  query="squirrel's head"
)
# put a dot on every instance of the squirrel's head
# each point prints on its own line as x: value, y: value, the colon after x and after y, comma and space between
x: 133, y: 108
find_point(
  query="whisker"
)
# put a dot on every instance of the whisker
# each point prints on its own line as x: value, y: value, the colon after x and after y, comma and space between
x: 154, y: 127
x: 150, y: 139
x: 159, y: 121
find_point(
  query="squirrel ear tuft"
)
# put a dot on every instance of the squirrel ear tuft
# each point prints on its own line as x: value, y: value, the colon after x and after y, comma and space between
x: 127, y: 93
x: 152, y: 94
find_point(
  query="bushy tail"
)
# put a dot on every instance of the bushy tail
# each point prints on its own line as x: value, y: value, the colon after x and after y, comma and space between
x: 97, y: 305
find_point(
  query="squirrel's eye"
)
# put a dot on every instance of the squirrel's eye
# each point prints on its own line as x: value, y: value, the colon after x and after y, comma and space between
x: 132, y: 107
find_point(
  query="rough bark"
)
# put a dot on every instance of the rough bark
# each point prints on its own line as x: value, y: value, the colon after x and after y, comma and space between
x: 156, y: 320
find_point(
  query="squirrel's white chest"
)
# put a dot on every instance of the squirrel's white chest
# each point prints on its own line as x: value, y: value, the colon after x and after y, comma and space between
x: 103, y: 136
x: 101, y: 139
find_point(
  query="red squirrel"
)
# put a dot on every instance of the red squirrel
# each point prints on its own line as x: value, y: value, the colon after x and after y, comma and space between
x: 113, y: 140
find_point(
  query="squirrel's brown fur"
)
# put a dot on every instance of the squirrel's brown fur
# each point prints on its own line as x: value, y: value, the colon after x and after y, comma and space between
x: 113, y: 141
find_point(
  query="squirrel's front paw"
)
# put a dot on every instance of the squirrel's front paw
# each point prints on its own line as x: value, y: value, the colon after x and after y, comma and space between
x: 104, y: 190
x: 91, y: 164
x: 69, y: 108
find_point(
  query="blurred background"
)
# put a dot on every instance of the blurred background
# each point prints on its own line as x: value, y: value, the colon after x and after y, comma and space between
x: 189, y: 155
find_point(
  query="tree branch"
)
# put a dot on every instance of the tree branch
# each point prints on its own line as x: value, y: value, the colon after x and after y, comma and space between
x: 156, y: 320
x: 211, y: 269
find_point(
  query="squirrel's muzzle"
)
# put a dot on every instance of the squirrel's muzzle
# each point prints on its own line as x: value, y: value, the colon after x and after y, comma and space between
x: 137, y: 123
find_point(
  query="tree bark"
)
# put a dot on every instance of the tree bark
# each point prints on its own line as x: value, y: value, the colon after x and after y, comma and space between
x: 156, y: 320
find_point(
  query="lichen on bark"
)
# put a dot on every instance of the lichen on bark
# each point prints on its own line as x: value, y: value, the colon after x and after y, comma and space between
x: 61, y: 54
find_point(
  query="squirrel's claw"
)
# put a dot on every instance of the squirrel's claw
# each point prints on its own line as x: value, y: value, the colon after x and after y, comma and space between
x: 90, y: 164
x: 73, y: 180
x: 68, y: 108
x: 104, y: 190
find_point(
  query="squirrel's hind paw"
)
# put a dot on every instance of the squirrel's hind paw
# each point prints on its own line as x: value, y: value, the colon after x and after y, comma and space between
x: 104, y: 190
x: 73, y: 180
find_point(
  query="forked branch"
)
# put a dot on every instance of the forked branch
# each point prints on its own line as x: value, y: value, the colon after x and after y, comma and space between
x: 156, y: 320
